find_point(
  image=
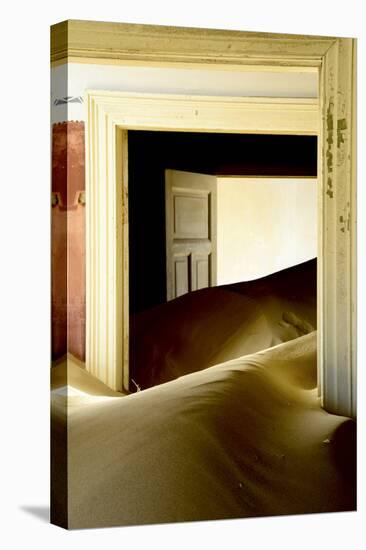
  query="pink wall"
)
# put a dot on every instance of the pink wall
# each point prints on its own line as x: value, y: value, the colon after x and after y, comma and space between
x: 68, y: 239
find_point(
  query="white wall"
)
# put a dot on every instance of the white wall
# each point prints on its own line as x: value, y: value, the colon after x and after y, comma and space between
x: 264, y: 225
x: 82, y: 76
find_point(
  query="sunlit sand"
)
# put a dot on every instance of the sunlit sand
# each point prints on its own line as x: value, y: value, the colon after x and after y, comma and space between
x: 246, y: 437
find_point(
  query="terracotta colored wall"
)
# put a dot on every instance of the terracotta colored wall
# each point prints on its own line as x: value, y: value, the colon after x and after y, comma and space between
x: 68, y: 239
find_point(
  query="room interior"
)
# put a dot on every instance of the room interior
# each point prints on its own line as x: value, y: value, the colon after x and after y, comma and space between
x: 202, y: 365
x: 223, y: 417
x: 250, y: 172
x: 151, y: 153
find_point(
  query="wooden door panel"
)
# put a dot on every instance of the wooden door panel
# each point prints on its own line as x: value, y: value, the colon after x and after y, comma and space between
x: 200, y: 271
x: 181, y: 270
x: 191, y: 218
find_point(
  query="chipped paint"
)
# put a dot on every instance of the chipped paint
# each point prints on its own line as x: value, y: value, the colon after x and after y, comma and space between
x: 330, y: 127
x: 329, y: 151
x: 330, y: 192
x: 341, y: 126
x: 124, y: 205
x: 345, y: 219
x: 329, y: 156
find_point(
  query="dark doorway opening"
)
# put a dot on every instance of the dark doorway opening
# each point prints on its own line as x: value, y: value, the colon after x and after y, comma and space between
x: 152, y: 152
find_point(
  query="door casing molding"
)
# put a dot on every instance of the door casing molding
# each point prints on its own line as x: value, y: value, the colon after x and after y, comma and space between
x: 332, y: 118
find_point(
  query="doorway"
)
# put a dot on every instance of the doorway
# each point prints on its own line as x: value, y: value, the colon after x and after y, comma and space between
x: 154, y: 154
x: 151, y: 153
x: 112, y: 114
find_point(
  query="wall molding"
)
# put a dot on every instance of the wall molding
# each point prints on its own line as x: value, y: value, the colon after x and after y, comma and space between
x: 98, y: 42
x: 337, y: 343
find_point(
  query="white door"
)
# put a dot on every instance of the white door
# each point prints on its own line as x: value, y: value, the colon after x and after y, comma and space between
x: 191, y: 220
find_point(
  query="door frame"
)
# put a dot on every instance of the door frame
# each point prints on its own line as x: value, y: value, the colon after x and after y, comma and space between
x: 332, y: 118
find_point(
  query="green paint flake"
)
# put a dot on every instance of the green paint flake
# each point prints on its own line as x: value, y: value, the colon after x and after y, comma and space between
x: 341, y: 127
x: 329, y: 155
x: 330, y: 127
x: 330, y: 187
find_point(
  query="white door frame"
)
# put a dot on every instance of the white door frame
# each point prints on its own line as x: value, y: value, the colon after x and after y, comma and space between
x: 110, y: 114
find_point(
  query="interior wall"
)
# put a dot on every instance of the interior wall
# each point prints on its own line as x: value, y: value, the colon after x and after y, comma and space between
x: 264, y: 225
x: 68, y: 239
x: 68, y: 113
x: 170, y: 80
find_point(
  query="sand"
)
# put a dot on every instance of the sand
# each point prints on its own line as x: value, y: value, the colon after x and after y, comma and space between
x: 79, y: 381
x: 244, y: 438
x: 203, y: 328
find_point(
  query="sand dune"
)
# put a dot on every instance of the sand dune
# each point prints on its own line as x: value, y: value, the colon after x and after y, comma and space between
x: 214, y: 325
x: 244, y: 438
